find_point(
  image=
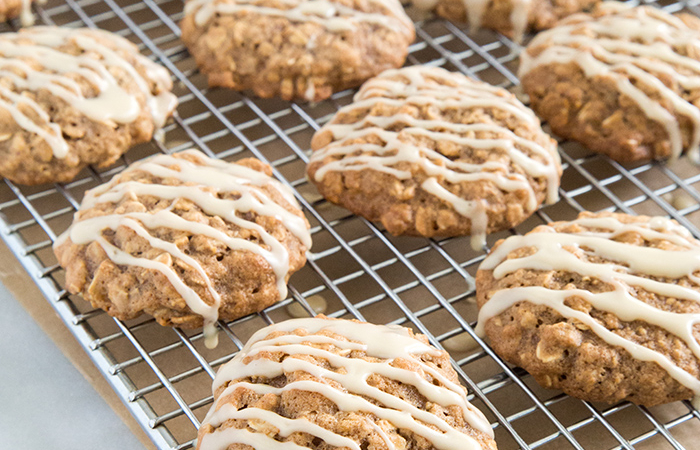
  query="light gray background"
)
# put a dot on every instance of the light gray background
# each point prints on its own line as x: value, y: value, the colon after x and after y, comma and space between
x: 45, y: 403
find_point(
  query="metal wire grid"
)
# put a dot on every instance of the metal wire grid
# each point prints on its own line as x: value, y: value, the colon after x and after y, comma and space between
x: 163, y: 375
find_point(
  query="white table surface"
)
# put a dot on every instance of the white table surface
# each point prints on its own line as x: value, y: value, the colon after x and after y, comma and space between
x: 45, y: 403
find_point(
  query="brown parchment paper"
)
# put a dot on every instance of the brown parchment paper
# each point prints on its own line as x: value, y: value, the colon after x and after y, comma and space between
x: 23, y: 289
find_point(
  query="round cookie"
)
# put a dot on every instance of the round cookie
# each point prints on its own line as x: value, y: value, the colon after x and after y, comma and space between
x: 295, y: 49
x: 186, y: 239
x: 605, y: 307
x: 510, y: 17
x: 73, y: 97
x: 428, y: 152
x: 623, y: 81
x: 330, y: 383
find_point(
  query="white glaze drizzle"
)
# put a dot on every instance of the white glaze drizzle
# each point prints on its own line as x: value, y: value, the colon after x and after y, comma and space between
x: 631, y: 43
x: 335, y: 17
x: 475, y: 10
x: 520, y: 9
x: 20, y: 53
x: 476, y: 210
x: 286, y: 426
x: 519, y: 18
x: 414, y: 88
x: 385, y: 343
x: 385, y: 437
x: 628, y: 263
x: 26, y: 17
x: 204, y: 181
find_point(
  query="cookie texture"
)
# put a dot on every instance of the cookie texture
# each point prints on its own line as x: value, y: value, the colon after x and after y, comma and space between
x: 510, y: 17
x: 622, y: 81
x: 186, y: 239
x: 324, y: 383
x: 428, y: 152
x: 73, y: 97
x: 605, y: 307
x: 9, y: 9
x: 298, y: 49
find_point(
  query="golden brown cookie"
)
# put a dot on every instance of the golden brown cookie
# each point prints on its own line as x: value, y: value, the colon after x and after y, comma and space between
x: 324, y: 383
x: 623, y: 81
x: 605, y: 307
x: 297, y: 49
x: 10, y: 9
x: 186, y: 239
x: 73, y: 97
x: 428, y: 152
x: 510, y: 17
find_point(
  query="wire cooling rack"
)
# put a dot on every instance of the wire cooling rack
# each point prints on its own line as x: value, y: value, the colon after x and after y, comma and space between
x: 164, y: 375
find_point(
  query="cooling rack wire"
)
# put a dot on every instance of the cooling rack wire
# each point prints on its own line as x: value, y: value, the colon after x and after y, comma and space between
x: 164, y: 375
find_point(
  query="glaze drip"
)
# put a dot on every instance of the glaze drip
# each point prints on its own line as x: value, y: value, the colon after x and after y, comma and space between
x: 628, y: 267
x: 32, y: 60
x: 415, y: 86
x: 475, y: 10
x: 380, y: 342
x: 634, y: 47
x: 26, y: 17
x: 201, y: 182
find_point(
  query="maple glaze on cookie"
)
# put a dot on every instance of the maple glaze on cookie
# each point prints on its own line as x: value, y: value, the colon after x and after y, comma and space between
x: 73, y: 97
x: 622, y: 81
x: 295, y: 49
x: 432, y: 153
x: 319, y: 382
x: 187, y: 239
x: 605, y: 307
x: 510, y: 17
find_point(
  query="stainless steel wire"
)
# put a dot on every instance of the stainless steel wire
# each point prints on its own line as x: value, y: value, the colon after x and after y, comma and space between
x: 164, y: 375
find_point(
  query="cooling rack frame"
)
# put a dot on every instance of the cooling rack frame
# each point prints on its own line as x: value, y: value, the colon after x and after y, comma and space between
x: 355, y: 266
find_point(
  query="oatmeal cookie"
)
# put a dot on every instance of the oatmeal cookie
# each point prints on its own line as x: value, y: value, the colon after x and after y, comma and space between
x: 324, y: 383
x: 296, y: 49
x: 73, y: 97
x: 605, y: 307
x: 10, y: 9
x: 623, y: 81
x: 428, y: 152
x: 510, y: 17
x: 186, y: 239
